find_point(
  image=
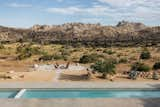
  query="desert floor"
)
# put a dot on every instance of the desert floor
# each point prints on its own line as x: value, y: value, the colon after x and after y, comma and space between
x: 12, y: 69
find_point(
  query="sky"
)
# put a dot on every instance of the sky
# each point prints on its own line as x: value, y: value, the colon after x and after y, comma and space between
x: 26, y: 13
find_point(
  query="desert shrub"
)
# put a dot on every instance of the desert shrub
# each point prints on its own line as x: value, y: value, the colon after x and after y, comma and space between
x: 119, y: 55
x: 46, y: 58
x: 89, y: 58
x: 75, y: 50
x: 67, y: 46
x: 77, y: 45
x: 26, y: 51
x: 123, y: 60
x: 109, y: 52
x: 24, y: 56
x: 158, y: 49
x: 156, y: 66
x: 65, y: 52
x: 58, y: 57
x: 133, y: 58
x: 113, y: 60
x: 140, y: 67
x: 2, y: 46
x: 22, y: 48
x: 105, y: 67
x: 36, y: 51
x: 99, y: 49
x: 145, y: 54
x: 65, y: 57
x: 86, y: 59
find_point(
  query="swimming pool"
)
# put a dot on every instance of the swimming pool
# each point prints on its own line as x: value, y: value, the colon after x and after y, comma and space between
x: 91, y: 94
x: 75, y: 93
x: 8, y: 93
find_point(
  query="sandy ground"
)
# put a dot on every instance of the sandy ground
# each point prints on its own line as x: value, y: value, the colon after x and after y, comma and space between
x: 64, y: 77
x: 19, y: 71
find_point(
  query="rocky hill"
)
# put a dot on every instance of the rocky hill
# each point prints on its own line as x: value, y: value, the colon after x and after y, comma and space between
x: 124, y: 34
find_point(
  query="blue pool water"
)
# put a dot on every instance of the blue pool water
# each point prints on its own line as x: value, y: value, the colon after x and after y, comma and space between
x: 91, y: 94
x: 8, y: 93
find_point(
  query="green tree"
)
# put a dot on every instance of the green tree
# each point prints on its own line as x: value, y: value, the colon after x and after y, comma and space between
x: 106, y: 67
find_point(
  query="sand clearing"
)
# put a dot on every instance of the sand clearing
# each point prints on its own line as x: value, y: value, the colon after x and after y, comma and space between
x: 25, y: 72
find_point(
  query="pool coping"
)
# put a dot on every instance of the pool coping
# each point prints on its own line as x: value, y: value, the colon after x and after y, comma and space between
x: 80, y: 85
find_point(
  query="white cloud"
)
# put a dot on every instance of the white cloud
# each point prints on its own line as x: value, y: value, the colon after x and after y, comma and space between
x: 138, y: 10
x: 135, y: 9
x: 67, y: 10
x: 17, y: 5
x: 94, y: 10
x: 128, y: 3
x: 117, y: 2
x: 146, y: 13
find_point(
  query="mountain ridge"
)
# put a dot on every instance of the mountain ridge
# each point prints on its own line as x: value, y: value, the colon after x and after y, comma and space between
x: 123, y: 34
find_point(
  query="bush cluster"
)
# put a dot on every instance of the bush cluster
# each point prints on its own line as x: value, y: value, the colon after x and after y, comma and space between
x: 156, y: 66
x: 145, y: 54
x: 46, y: 58
x: 105, y: 67
x: 140, y: 67
x: 26, y: 51
x: 90, y: 58
x: 2, y: 46
x: 52, y: 57
x: 109, y: 52
x: 123, y: 60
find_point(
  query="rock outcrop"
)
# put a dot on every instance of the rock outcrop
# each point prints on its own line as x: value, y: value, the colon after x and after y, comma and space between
x: 124, y: 34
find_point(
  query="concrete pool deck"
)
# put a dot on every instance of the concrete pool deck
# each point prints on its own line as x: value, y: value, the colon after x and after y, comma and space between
x: 77, y: 102
x: 80, y: 103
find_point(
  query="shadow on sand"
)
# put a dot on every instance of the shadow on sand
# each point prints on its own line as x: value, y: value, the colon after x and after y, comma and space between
x: 155, y: 102
x: 70, y: 77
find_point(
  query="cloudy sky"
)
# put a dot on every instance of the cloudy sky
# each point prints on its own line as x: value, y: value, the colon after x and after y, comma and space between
x: 25, y: 13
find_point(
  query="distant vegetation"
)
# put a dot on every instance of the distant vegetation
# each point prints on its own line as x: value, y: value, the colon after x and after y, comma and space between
x: 62, y: 54
x: 26, y: 51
